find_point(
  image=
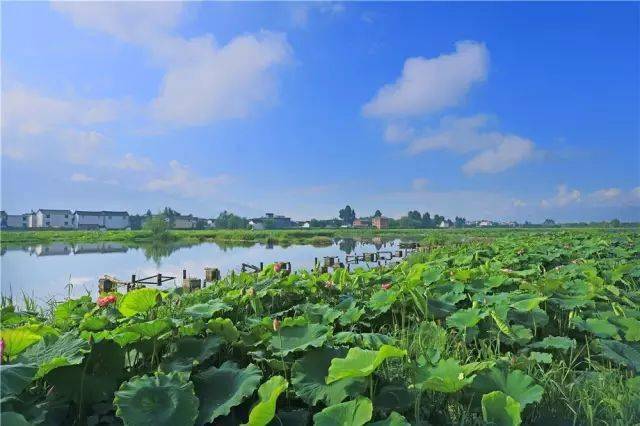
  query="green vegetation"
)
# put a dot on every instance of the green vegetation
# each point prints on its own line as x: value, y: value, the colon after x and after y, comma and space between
x: 501, y: 328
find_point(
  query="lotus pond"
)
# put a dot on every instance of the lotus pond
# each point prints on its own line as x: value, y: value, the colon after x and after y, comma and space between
x: 519, y: 328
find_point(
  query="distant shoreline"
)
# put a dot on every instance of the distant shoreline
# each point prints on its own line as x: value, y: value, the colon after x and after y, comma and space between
x: 290, y: 236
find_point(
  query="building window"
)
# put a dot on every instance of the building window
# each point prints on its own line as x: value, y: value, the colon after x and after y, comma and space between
x: 66, y: 216
x: 66, y: 223
x: 48, y: 216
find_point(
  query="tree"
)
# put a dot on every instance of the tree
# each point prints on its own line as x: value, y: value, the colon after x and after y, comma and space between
x: 378, y: 213
x: 615, y: 223
x: 426, y: 220
x: 460, y: 222
x: 437, y: 220
x: 348, y: 215
x: 159, y: 226
x: 228, y: 220
x: 414, y: 215
x: 549, y: 222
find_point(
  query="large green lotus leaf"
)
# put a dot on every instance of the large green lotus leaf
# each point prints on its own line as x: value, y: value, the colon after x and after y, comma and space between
x: 16, y: 340
x: 207, y: 310
x: 365, y: 340
x: 299, y: 417
x: 440, y: 309
x: 620, y: 353
x: 361, y: 362
x: 382, y: 300
x: 393, y: 397
x: 101, y: 374
x: 500, y: 409
x: 394, y: 419
x: 225, y: 328
x: 350, y: 413
x: 555, y: 342
x: 308, y: 378
x: 94, y: 323
x: 447, y: 376
x: 52, y: 352
x: 190, y: 351
x: 351, y: 315
x: 139, y: 301
x: 157, y: 400
x: 320, y: 313
x: 15, y: 377
x: 268, y: 392
x: 72, y: 311
x: 536, y: 318
x: 465, y: 318
x: 298, y: 337
x: 10, y: 418
x: 631, y: 327
x: 141, y: 330
x: 541, y: 357
x: 516, y: 384
x: 600, y: 327
x: 220, y: 389
x: 526, y: 302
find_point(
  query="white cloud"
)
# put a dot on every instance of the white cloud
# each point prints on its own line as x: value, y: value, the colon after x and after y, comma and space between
x: 635, y: 193
x: 182, y: 181
x: 564, y: 197
x: 428, y: 85
x: 132, y: 162
x: 81, y: 177
x: 494, y: 151
x: 606, y: 194
x: 519, y: 203
x: 419, y: 184
x: 204, y: 82
x: 395, y: 132
x: 510, y: 151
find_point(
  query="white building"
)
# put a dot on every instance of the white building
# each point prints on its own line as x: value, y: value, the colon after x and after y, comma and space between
x: 185, y: 222
x: 485, y: 223
x: 17, y: 221
x: 444, y: 224
x: 102, y: 219
x: 46, y: 218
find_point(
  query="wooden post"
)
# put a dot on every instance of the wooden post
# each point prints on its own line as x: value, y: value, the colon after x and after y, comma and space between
x: 261, y: 266
x: 133, y: 279
x: 159, y: 279
x: 184, y: 274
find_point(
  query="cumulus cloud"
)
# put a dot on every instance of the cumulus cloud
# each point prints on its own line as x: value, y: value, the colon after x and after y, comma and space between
x: 606, y: 194
x: 493, y: 151
x: 395, y: 132
x: 428, y: 85
x: 204, y: 82
x: 135, y: 163
x: 519, y: 203
x: 182, y: 181
x: 564, y: 197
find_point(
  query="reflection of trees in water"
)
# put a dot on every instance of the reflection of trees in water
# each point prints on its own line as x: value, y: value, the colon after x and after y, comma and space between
x: 157, y: 250
x: 347, y: 245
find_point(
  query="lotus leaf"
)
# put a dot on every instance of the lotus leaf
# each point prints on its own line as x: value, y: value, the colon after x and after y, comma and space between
x: 262, y: 413
x: 298, y: 337
x: 16, y: 340
x: 555, y: 342
x: 516, y: 384
x: 190, y: 351
x: 394, y: 419
x: 139, y: 301
x: 225, y: 328
x: 361, y: 362
x: 9, y: 418
x: 447, y: 376
x: 220, y: 389
x: 465, y: 318
x: 620, y: 353
x: 157, y: 400
x: 382, y: 300
x: 500, y: 409
x: 52, y: 352
x: 351, y: 413
x: 308, y: 378
x: 15, y: 377
x: 207, y: 310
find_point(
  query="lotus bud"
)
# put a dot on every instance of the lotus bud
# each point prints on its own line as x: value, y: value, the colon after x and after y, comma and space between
x: 386, y: 286
x: 277, y: 267
x: 251, y: 292
x: 277, y: 324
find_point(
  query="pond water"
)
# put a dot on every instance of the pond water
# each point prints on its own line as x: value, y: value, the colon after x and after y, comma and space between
x: 56, y: 270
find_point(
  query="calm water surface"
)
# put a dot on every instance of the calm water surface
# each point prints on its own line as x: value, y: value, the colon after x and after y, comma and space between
x: 45, y: 271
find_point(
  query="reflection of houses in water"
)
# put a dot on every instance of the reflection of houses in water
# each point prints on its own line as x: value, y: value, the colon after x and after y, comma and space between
x: 53, y: 249
x: 82, y: 248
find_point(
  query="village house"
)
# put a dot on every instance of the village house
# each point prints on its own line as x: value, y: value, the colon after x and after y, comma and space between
x: 271, y: 221
x: 50, y: 218
x: 380, y: 222
x: 184, y: 222
x: 100, y: 219
x: 15, y: 221
x: 362, y: 223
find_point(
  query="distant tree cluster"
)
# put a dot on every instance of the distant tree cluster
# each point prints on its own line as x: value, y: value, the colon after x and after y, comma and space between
x: 226, y: 220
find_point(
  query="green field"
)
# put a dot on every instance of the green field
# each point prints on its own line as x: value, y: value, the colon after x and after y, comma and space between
x: 483, y: 327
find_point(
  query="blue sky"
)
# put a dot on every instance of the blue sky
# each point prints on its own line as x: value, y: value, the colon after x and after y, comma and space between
x: 485, y: 110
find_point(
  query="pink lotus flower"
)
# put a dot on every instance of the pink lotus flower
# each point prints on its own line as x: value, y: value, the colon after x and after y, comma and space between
x: 1, y: 349
x: 386, y: 286
x: 277, y: 267
x: 107, y: 300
